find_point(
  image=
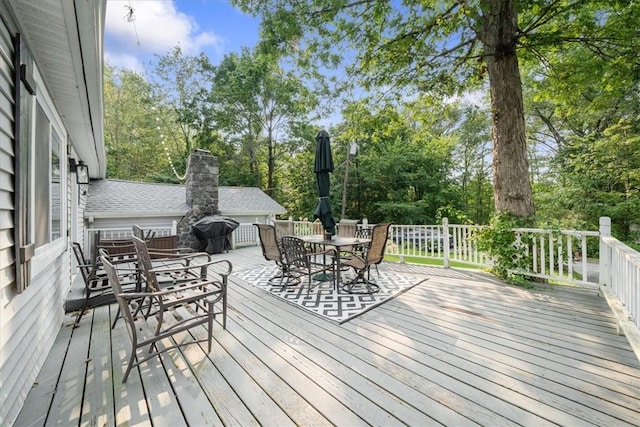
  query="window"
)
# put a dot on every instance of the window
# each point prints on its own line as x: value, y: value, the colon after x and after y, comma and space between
x: 46, y: 178
x: 56, y: 186
x: 41, y: 178
x: 40, y: 166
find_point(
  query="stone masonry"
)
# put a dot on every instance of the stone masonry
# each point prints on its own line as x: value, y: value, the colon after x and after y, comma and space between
x: 202, y: 194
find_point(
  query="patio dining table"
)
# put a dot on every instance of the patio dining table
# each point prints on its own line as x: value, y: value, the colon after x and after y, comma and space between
x: 339, y: 243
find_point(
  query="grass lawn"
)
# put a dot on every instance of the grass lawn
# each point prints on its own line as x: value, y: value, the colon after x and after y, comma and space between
x: 431, y: 261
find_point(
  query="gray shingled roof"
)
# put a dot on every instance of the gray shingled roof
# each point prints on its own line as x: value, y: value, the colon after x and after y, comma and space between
x: 124, y: 198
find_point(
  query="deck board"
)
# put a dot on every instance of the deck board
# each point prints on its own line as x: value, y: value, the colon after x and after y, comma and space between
x: 458, y: 349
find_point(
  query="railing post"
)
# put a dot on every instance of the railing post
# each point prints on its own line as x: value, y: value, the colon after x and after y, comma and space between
x: 604, y: 256
x: 445, y: 243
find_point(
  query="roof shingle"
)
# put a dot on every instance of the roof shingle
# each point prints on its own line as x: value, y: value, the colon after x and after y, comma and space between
x: 114, y: 197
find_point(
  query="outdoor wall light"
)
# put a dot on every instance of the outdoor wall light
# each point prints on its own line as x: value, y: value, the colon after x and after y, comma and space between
x: 81, y: 170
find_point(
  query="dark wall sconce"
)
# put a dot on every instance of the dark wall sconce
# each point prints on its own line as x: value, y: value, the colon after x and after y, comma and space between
x: 81, y: 170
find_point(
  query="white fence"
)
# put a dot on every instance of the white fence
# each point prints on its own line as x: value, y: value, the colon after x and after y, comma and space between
x: 560, y: 256
x: 620, y: 271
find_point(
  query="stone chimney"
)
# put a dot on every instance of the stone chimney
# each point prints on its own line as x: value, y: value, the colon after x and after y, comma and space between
x: 201, y: 194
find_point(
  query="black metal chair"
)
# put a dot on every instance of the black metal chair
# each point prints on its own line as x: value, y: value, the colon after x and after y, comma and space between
x: 301, y: 260
x: 362, y: 263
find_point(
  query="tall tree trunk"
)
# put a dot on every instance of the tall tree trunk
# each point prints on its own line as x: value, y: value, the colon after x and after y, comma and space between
x: 512, y: 186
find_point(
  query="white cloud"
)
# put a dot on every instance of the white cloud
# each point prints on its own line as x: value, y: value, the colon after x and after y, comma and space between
x: 124, y: 60
x: 154, y: 27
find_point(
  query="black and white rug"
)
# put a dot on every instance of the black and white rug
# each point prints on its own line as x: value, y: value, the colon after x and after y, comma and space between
x: 324, y: 301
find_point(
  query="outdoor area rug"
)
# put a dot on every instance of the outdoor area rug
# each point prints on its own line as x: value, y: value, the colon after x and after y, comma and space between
x: 323, y: 300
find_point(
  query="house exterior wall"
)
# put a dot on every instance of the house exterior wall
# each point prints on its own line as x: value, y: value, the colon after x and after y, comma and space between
x: 30, y: 320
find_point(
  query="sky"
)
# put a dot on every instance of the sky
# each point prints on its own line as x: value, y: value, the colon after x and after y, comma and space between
x: 136, y: 30
x: 154, y: 27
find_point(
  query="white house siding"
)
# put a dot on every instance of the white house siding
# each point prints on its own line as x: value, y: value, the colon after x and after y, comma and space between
x: 30, y: 321
x: 129, y: 222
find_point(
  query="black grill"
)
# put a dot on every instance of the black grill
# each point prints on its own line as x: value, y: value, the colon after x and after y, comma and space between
x: 214, y: 233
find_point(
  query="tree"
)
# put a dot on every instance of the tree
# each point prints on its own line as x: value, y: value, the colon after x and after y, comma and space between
x: 425, y: 45
x: 472, y: 149
x: 403, y: 164
x: 583, y: 104
x: 258, y: 104
x: 182, y: 82
x: 131, y: 136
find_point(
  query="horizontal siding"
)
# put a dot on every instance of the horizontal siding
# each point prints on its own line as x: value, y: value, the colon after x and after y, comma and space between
x: 29, y: 322
x: 10, y: 366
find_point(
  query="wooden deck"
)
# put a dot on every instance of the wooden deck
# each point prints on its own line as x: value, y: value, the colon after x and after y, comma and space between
x: 458, y: 349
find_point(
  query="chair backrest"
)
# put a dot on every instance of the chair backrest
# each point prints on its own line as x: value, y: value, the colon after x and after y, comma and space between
x: 283, y: 228
x: 363, y: 233
x: 347, y: 227
x: 84, y: 264
x: 269, y: 242
x: 112, y: 275
x: 139, y: 233
x: 379, y: 236
x: 295, y: 252
x: 144, y: 263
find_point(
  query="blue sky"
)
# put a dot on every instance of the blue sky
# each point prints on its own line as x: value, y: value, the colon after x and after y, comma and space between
x: 210, y: 26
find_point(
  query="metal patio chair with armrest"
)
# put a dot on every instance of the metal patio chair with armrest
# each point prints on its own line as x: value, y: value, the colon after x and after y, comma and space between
x: 272, y: 252
x: 362, y: 263
x: 96, y: 281
x: 347, y: 228
x: 300, y: 260
x: 183, y: 272
x: 361, y: 250
x: 155, y: 252
x: 195, y: 300
x: 283, y: 228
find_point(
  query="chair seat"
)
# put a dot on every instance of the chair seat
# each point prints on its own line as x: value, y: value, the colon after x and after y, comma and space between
x: 362, y: 263
x: 353, y: 261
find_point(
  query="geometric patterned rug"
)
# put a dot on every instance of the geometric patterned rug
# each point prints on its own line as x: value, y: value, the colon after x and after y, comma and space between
x: 323, y: 300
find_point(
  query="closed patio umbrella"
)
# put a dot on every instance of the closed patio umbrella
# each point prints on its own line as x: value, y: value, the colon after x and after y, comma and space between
x: 323, y: 165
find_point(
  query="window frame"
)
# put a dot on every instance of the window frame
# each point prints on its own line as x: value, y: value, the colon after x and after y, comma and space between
x: 44, y: 102
x: 34, y: 253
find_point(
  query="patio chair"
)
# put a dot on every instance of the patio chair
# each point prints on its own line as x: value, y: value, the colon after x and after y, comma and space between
x: 183, y: 272
x: 271, y: 252
x: 361, y: 250
x: 95, y: 278
x: 156, y: 252
x: 300, y: 260
x: 140, y: 234
x: 195, y: 300
x: 362, y: 264
x: 347, y: 227
x: 283, y: 228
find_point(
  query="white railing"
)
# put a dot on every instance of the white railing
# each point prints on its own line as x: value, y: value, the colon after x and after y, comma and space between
x: 620, y: 271
x: 245, y: 235
x: 559, y: 255
x: 556, y: 255
x: 122, y: 233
